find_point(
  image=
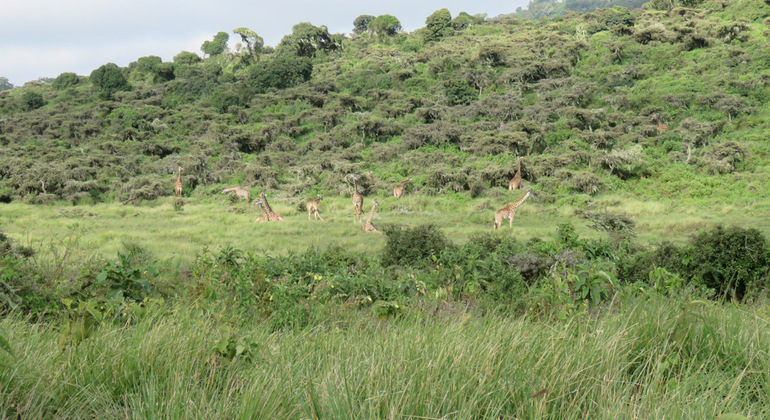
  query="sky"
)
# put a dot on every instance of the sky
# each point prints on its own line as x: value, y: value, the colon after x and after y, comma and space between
x: 44, y: 38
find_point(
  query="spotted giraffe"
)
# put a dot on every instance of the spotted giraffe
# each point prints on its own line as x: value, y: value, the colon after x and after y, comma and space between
x: 509, y: 211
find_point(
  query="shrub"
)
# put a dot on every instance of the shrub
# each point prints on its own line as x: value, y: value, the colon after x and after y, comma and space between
x: 108, y: 79
x: 32, y: 100
x: 412, y: 246
x: 65, y: 80
x: 733, y: 261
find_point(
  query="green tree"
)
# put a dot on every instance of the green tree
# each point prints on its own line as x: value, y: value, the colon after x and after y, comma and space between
x: 32, y: 100
x: 439, y: 25
x: 65, y: 80
x: 217, y: 46
x: 254, y: 43
x: 305, y: 40
x: 187, y: 58
x: 385, y: 25
x: 5, y: 84
x: 154, y: 68
x: 109, y: 79
x: 284, y: 71
x: 361, y: 24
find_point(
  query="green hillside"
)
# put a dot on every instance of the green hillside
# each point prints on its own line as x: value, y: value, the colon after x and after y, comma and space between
x: 450, y: 105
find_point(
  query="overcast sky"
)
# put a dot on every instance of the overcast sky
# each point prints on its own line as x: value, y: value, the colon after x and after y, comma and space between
x: 44, y: 38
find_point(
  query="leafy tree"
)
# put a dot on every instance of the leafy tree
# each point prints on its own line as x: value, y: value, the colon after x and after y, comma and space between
x: 5, y: 84
x: 187, y: 58
x: 254, y: 42
x: 306, y: 39
x: 108, y: 79
x: 385, y: 25
x: 217, y: 46
x: 439, y: 25
x: 283, y: 71
x: 361, y: 24
x: 464, y: 20
x: 155, y: 68
x: 65, y: 80
x: 32, y: 100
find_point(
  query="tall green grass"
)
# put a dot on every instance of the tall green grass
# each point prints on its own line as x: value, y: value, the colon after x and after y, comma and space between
x: 649, y: 358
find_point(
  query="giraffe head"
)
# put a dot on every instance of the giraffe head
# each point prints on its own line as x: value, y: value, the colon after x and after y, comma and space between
x: 320, y: 197
x: 179, y: 169
x: 655, y: 117
x: 262, y: 195
x: 257, y: 203
x: 375, y: 203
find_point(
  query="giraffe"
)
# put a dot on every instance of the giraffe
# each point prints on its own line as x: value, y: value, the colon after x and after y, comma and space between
x: 371, y: 177
x: 178, y: 185
x: 662, y: 128
x: 368, y: 225
x: 270, y: 214
x: 312, y: 207
x: 398, y: 192
x: 265, y: 217
x: 239, y: 191
x: 516, y: 180
x: 509, y: 211
x: 358, y: 200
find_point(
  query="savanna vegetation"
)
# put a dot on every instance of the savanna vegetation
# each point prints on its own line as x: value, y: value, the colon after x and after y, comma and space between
x: 633, y: 283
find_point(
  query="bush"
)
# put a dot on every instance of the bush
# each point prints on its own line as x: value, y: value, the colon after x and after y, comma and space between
x: 32, y: 100
x: 733, y: 261
x: 108, y: 79
x: 412, y: 246
x: 65, y: 80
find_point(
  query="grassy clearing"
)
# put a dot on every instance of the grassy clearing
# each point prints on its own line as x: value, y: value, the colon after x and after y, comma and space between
x: 176, y: 236
x: 648, y: 359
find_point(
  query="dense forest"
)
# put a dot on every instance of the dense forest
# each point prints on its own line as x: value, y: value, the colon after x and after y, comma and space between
x: 583, y: 98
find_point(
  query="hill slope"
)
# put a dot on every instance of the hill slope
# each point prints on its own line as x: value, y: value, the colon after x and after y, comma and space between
x: 574, y: 95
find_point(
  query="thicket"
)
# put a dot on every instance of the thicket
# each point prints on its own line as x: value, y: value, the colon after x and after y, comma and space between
x: 573, y: 94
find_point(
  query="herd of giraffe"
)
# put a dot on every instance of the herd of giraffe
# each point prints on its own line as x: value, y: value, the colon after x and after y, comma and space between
x: 268, y: 215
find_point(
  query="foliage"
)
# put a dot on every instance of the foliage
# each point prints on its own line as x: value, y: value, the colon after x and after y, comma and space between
x: 5, y: 84
x: 385, y: 25
x: 412, y: 245
x: 65, y: 80
x: 32, y: 100
x: 124, y: 280
x: 109, y: 79
x: 361, y: 23
x: 733, y: 261
x: 216, y: 46
x: 283, y: 71
x: 438, y: 25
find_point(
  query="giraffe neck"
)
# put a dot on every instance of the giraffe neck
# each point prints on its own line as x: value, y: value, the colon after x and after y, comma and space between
x: 518, y: 165
x: 355, y: 186
x: 371, y: 215
x: 518, y: 202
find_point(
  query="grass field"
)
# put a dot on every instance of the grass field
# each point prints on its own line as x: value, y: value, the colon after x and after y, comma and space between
x: 176, y: 236
x: 651, y: 358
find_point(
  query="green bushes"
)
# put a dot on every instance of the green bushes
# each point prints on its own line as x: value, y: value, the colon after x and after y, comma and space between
x: 412, y: 246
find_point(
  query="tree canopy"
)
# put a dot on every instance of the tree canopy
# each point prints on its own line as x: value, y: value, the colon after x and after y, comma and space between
x: 217, y: 46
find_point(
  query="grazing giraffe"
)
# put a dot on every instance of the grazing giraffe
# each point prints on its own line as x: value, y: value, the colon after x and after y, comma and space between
x: 516, y: 180
x: 398, y: 192
x: 239, y: 191
x: 509, y: 211
x: 312, y: 207
x: 178, y: 185
x: 368, y: 225
x: 358, y: 200
x: 271, y: 215
x: 662, y: 128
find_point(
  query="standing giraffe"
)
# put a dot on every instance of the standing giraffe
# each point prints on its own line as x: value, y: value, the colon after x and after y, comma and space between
x: 398, y: 192
x: 271, y: 215
x: 358, y: 200
x: 371, y: 177
x: 662, y: 128
x: 516, y: 180
x: 178, y: 185
x: 368, y: 225
x: 509, y: 211
x: 239, y: 191
x: 312, y: 207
